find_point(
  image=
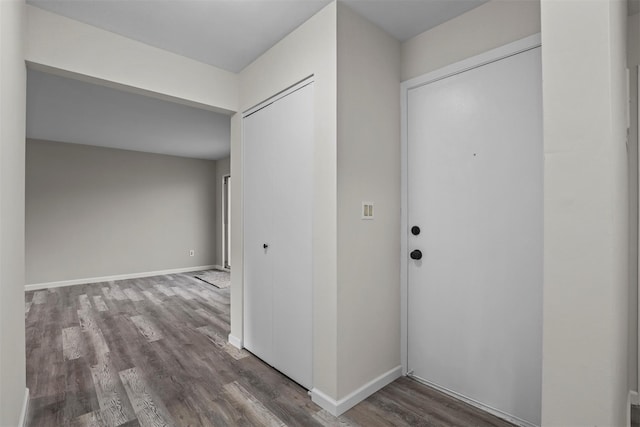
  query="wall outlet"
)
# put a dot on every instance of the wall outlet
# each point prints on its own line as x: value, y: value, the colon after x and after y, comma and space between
x: 192, y: 252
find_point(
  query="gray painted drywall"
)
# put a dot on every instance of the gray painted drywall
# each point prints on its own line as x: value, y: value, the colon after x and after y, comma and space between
x: 489, y: 26
x: 94, y: 212
x: 368, y: 170
x: 12, y: 125
x: 586, y: 283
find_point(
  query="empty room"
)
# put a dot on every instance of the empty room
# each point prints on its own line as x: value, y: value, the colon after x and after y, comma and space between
x: 351, y: 212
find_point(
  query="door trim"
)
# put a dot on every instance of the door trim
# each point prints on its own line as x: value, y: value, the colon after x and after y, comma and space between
x: 226, y: 214
x: 488, y: 57
x: 288, y: 91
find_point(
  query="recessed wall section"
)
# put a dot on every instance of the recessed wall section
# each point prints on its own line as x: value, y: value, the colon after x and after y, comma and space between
x: 94, y: 212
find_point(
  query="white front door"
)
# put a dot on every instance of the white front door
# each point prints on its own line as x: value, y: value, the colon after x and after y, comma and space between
x: 475, y: 190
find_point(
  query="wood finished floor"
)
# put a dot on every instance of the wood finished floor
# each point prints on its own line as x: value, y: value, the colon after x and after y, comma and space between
x: 153, y: 352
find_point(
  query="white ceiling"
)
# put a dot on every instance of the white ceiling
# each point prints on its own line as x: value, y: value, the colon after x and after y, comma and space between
x: 228, y: 34
x: 404, y: 19
x: 66, y: 110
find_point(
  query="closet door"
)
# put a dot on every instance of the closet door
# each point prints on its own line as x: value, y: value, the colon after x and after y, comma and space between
x: 260, y: 143
x: 292, y: 237
x: 278, y: 144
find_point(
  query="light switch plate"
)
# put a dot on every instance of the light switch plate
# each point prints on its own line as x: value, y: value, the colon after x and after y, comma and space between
x: 367, y: 210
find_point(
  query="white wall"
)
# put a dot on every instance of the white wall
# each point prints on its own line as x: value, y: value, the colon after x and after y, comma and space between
x: 585, y: 252
x: 368, y: 170
x: 633, y: 37
x: 491, y: 25
x: 223, y: 167
x: 74, y: 49
x: 95, y: 212
x: 12, y: 135
x: 309, y: 50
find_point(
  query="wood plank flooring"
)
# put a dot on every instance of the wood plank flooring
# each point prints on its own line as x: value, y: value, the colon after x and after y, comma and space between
x: 154, y: 352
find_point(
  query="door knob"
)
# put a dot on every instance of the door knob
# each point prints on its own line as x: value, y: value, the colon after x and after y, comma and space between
x: 415, y: 230
x: 416, y: 254
x: 265, y: 246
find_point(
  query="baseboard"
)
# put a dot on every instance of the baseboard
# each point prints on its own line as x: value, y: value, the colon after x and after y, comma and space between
x: 219, y: 267
x: 36, y: 286
x: 235, y: 341
x: 25, y: 409
x: 341, y: 406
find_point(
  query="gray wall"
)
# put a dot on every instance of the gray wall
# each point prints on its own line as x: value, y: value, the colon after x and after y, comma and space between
x: 586, y: 277
x: 93, y: 212
x: 368, y: 170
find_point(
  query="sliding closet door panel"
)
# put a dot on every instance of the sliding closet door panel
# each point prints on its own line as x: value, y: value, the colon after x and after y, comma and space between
x: 260, y: 136
x: 278, y: 144
x: 292, y: 239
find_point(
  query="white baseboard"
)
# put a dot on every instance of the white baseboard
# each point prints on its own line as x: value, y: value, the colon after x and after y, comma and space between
x: 235, y: 341
x: 339, y: 407
x: 219, y: 267
x: 87, y: 280
x: 25, y: 409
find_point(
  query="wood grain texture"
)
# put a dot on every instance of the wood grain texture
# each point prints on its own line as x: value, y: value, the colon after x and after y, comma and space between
x: 114, y: 405
x: 116, y: 292
x: 146, y: 328
x: 93, y: 360
x: 133, y: 295
x: 40, y: 297
x: 89, y: 327
x: 183, y: 293
x: 152, y: 297
x: 222, y: 343
x: 71, y: 343
x: 85, y: 304
x: 99, y: 303
x: 151, y: 412
x: 165, y: 290
x: 252, y: 407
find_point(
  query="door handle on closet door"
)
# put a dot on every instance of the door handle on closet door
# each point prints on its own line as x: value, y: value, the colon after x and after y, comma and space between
x: 265, y: 245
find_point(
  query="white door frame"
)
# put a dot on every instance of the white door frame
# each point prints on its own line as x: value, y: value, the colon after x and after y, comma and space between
x: 634, y: 396
x: 493, y: 55
x: 226, y: 214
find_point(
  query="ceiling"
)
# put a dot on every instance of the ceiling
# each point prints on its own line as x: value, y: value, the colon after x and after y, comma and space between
x: 229, y: 34
x: 404, y: 19
x: 67, y: 110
